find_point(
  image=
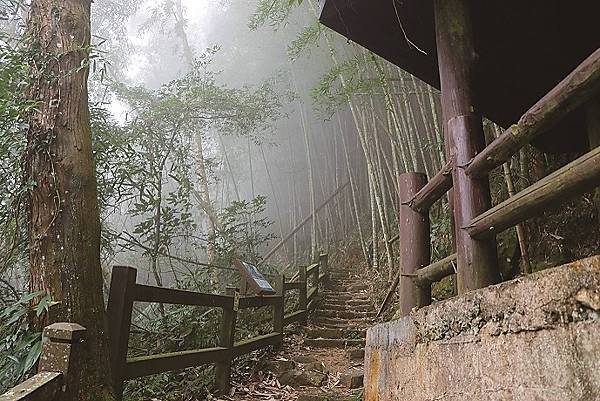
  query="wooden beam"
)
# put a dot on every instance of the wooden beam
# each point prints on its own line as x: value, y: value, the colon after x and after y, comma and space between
x: 577, y: 177
x: 433, y: 190
x: 154, y: 364
x: 415, y: 248
x: 247, y: 346
x: 148, y: 293
x: 437, y: 271
x: 457, y: 59
x: 577, y: 88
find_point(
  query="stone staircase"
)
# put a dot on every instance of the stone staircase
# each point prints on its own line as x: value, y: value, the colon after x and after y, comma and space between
x: 336, y: 337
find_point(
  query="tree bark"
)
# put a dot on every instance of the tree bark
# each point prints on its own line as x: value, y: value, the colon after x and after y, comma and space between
x: 64, y: 220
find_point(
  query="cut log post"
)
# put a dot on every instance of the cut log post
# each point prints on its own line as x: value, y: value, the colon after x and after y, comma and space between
x: 433, y: 190
x: 577, y: 177
x: 577, y: 88
x: 226, y: 340
x: 302, y: 297
x: 437, y: 271
x: 477, y: 259
x: 415, y: 249
x: 324, y: 264
x: 119, y: 309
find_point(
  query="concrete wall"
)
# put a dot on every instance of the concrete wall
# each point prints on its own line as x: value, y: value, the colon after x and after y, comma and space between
x: 533, y: 338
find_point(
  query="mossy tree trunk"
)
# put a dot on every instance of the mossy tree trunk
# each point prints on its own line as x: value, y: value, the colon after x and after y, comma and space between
x: 64, y: 221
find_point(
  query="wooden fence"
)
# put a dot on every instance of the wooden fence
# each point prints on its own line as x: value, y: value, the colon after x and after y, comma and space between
x: 62, y: 339
x: 417, y: 195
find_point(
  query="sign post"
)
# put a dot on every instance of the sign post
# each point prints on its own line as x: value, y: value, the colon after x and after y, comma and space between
x: 253, y: 280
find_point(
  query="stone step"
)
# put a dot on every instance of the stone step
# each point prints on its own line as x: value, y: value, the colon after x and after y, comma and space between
x: 356, y: 354
x: 344, y: 314
x: 344, y: 326
x: 352, y: 379
x: 349, y: 288
x: 338, y: 323
x: 333, y: 342
x: 361, y: 307
x: 335, y: 333
x: 345, y: 295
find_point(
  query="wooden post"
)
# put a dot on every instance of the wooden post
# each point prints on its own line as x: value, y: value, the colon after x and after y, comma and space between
x: 415, y: 248
x: 316, y: 274
x: 62, y: 353
x: 279, y: 309
x: 119, y: 309
x: 323, y: 263
x: 303, y: 293
x: 477, y: 259
x: 226, y: 339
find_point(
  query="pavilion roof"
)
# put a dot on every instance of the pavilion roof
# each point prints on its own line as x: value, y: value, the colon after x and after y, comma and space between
x: 525, y: 46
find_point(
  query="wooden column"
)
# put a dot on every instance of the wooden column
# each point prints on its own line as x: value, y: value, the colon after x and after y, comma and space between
x: 119, y: 309
x: 303, y: 294
x: 226, y: 339
x: 279, y: 309
x: 415, y: 248
x: 324, y: 262
x: 477, y: 259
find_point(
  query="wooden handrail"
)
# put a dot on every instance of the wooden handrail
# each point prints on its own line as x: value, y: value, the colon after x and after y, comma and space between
x: 573, y: 91
x: 437, y: 271
x: 577, y: 177
x: 124, y: 291
x: 155, y: 364
x: 311, y: 268
x: 434, y: 190
x: 147, y: 293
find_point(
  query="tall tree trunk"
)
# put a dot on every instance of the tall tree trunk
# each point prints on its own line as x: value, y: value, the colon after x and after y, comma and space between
x: 64, y: 219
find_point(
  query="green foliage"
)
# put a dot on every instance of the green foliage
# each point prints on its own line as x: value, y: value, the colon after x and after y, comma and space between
x: 14, y: 111
x: 243, y: 231
x: 20, y: 344
x: 274, y: 13
x: 329, y: 94
x: 305, y: 41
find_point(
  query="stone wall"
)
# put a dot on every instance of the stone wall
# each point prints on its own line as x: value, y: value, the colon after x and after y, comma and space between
x: 533, y: 338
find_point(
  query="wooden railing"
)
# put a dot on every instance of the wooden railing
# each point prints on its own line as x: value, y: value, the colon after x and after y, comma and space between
x: 58, y: 366
x: 124, y: 292
x: 417, y: 195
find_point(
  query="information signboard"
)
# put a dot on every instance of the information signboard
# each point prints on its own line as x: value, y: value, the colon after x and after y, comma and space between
x: 254, y: 279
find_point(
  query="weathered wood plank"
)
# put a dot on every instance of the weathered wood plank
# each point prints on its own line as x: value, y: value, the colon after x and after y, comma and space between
x: 42, y: 387
x: 147, y: 293
x: 247, y: 346
x: 577, y: 177
x: 296, y: 285
x: 258, y: 301
x: 435, y: 189
x: 154, y: 364
x: 577, y: 88
x: 310, y: 269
